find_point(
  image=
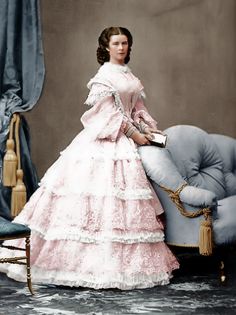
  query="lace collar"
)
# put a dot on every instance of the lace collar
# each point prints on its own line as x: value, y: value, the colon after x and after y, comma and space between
x: 115, y: 67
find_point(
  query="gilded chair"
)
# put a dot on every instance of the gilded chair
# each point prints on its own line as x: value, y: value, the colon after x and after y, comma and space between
x: 9, y: 231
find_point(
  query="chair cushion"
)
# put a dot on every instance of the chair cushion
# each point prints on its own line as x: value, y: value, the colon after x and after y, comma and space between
x: 197, y: 158
x: 11, y: 229
x: 227, y: 149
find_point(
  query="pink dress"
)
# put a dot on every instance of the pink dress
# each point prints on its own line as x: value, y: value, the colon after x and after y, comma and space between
x: 94, y: 218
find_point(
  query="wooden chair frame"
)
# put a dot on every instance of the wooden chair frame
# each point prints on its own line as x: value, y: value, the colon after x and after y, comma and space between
x: 20, y: 260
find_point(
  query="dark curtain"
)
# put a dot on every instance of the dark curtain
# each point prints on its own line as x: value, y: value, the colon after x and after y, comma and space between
x: 21, y: 80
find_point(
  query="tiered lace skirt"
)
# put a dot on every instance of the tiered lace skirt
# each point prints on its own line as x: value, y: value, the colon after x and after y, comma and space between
x: 94, y: 221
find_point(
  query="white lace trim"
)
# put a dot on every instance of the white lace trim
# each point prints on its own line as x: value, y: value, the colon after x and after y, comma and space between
x: 93, y: 98
x: 76, y: 279
x: 73, y: 234
x: 133, y: 194
x: 127, y: 194
x: 129, y: 156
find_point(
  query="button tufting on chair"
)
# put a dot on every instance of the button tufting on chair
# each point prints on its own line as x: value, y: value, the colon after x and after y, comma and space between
x: 207, y: 164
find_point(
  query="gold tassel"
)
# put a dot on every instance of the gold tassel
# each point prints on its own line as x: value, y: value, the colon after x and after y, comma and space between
x: 205, y: 238
x: 10, y: 160
x: 18, y: 197
x: 205, y: 231
x: 9, y: 165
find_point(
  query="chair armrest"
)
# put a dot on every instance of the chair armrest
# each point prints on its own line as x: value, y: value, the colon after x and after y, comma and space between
x: 198, y: 197
x: 162, y: 171
x: 159, y: 167
x: 224, y: 225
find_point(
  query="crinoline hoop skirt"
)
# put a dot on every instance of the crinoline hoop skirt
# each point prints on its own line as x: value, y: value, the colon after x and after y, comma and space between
x: 94, y: 221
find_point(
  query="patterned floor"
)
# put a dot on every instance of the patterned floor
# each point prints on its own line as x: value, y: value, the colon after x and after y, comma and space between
x: 195, y: 289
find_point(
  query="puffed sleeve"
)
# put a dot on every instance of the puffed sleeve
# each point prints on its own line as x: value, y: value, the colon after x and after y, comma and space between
x: 140, y: 113
x: 105, y: 119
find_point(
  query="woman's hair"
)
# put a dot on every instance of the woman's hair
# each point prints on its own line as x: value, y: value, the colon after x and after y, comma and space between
x: 104, y: 39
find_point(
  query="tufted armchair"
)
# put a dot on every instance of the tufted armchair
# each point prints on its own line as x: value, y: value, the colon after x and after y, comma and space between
x: 199, y: 170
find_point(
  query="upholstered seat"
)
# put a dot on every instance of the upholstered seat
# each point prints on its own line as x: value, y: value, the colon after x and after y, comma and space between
x: 225, y: 223
x: 10, y: 230
x: 205, y: 166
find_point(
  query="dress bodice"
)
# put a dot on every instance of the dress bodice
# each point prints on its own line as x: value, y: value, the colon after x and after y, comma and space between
x: 121, y: 80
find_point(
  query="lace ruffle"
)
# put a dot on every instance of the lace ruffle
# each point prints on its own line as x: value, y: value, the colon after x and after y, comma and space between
x: 93, y: 97
x: 73, y: 234
x: 110, y: 156
x: 73, y: 279
x: 104, y: 265
x: 124, y: 194
x: 90, y: 214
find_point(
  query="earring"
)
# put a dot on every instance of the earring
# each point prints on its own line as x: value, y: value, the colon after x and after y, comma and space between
x: 107, y: 49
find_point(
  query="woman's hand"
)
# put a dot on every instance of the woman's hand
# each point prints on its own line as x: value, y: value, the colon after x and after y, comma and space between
x: 149, y: 132
x: 140, y: 138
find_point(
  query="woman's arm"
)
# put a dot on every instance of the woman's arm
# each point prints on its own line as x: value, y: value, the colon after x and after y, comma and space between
x: 143, y: 120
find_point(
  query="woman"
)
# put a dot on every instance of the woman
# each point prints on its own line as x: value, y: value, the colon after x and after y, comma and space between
x: 94, y: 219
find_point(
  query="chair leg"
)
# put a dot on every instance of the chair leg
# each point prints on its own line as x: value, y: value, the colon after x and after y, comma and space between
x: 222, y: 272
x: 27, y: 248
x: 222, y: 255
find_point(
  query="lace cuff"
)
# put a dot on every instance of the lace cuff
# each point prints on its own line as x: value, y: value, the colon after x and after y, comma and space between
x: 141, y: 116
x: 142, y: 126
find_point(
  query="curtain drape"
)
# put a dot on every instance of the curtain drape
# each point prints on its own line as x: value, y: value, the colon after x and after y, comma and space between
x: 21, y: 80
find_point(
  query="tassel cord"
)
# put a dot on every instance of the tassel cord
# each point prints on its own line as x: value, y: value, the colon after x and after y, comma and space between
x: 174, y: 196
x: 13, y: 121
x: 18, y: 198
x: 205, y: 232
x: 17, y: 139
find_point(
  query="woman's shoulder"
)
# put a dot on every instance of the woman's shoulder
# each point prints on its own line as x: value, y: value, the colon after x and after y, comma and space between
x: 101, y: 77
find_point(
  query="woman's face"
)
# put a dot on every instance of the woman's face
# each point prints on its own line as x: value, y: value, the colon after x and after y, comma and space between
x: 118, y: 48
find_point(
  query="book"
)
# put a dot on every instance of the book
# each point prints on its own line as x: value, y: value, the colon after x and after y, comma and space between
x: 159, y: 140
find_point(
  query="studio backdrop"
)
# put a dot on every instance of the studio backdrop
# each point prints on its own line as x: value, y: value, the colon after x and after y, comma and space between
x: 184, y: 53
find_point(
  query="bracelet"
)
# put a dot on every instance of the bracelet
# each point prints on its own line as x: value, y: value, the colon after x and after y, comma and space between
x: 130, y: 131
x: 142, y: 126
